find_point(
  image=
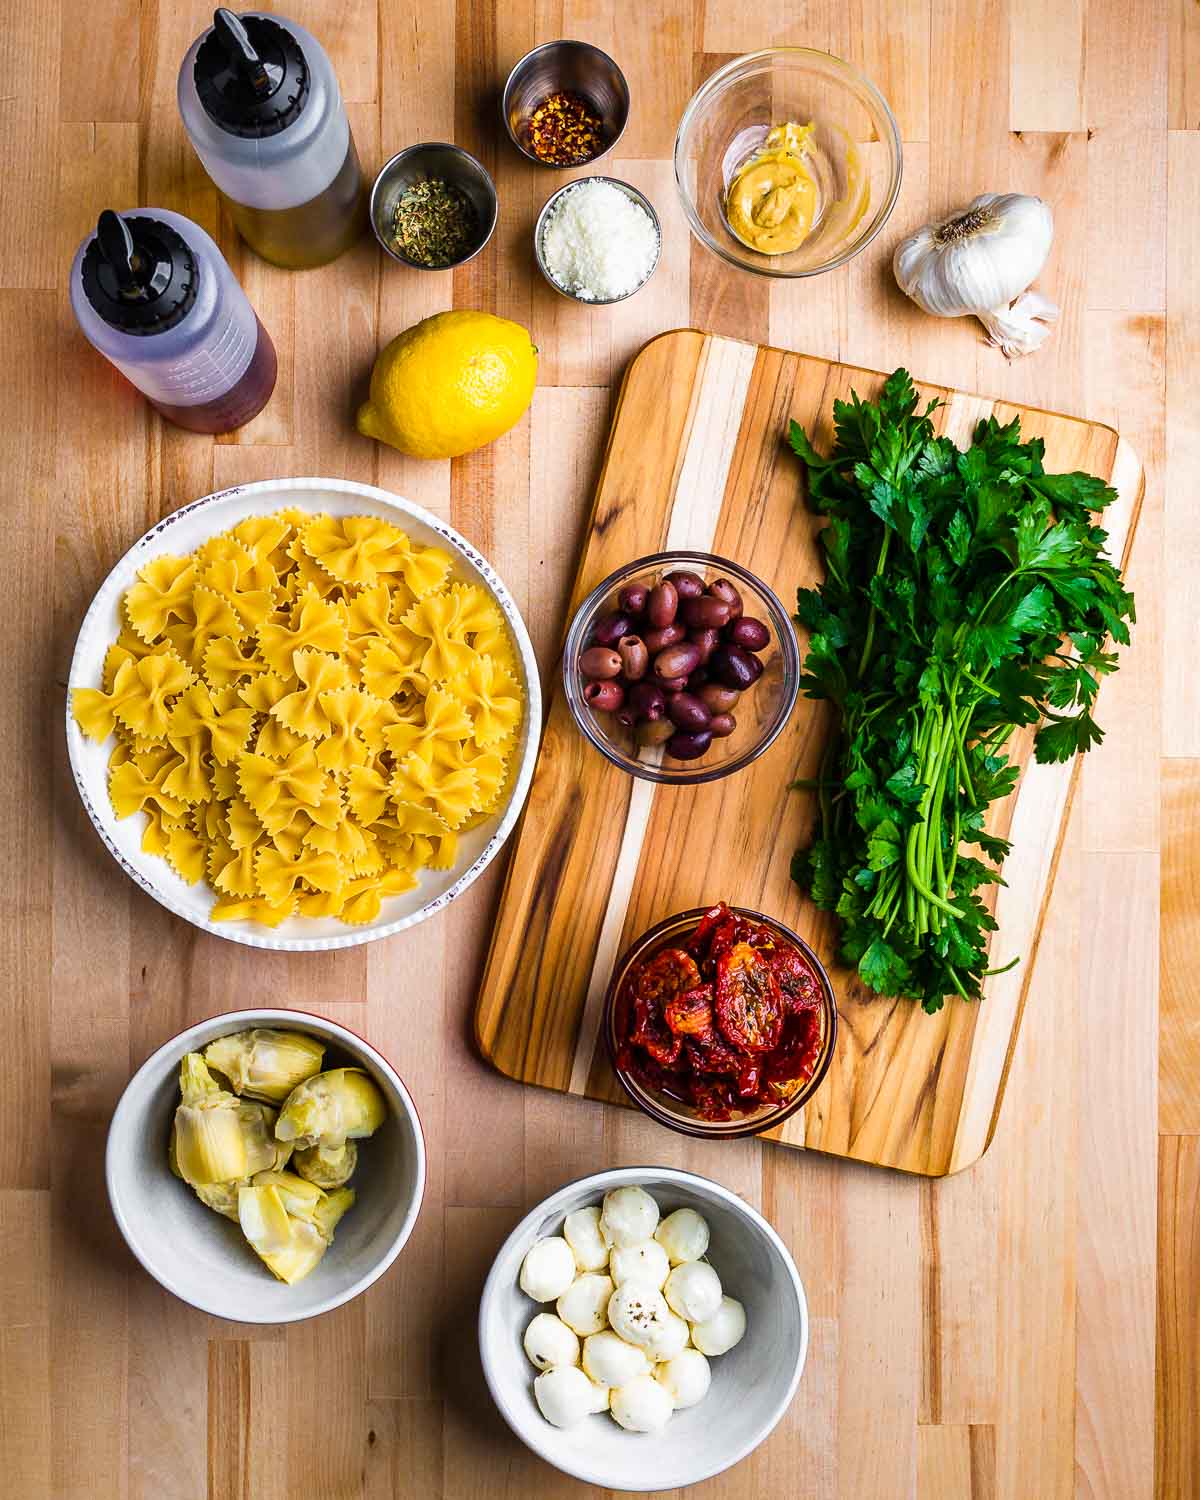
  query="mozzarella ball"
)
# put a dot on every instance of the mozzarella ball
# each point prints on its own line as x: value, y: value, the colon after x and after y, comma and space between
x: 638, y: 1311
x: 548, y: 1269
x: 581, y: 1230
x: 548, y: 1342
x: 683, y: 1235
x: 685, y: 1377
x: 645, y: 1262
x: 629, y: 1216
x: 668, y: 1339
x: 609, y: 1360
x: 718, y: 1334
x: 693, y: 1290
x: 584, y: 1304
x: 641, y: 1406
x: 565, y: 1395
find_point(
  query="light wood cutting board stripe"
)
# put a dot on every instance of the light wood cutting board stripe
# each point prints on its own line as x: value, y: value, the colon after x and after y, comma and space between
x: 598, y: 860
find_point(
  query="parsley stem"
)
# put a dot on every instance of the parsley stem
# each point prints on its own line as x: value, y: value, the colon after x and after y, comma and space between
x: 869, y: 640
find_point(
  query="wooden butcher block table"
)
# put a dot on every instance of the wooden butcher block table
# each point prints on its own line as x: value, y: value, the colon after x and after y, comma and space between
x: 1025, y: 1329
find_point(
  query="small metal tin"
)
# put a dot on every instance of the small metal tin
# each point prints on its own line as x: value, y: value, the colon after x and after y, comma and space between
x: 543, y: 218
x: 417, y: 164
x: 577, y: 68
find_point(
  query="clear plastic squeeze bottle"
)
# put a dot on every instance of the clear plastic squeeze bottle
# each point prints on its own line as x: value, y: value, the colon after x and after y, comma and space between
x: 155, y: 296
x: 261, y: 104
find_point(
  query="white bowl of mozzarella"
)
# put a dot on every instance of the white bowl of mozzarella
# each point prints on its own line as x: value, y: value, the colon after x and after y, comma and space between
x: 643, y: 1329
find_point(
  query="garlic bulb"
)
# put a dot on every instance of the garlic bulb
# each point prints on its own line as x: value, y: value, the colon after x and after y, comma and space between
x: 981, y: 260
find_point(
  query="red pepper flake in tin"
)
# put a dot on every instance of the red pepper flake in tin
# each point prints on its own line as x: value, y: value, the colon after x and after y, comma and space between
x: 727, y: 1022
x: 564, y: 131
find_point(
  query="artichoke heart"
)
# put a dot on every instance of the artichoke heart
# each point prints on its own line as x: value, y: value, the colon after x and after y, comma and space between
x: 330, y: 1108
x: 328, y: 1166
x: 290, y: 1244
x: 265, y: 1063
x: 221, y: 1197
x: 208, y: 1142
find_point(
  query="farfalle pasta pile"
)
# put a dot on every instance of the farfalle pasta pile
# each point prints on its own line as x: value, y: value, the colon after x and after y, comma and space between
x: 308, y: 710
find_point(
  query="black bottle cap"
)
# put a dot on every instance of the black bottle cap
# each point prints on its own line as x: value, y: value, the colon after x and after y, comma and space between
x: 138, y: 273
x: 251, y: 75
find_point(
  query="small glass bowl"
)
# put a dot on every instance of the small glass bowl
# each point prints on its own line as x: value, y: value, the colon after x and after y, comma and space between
x: 856, y: 140
x: 762, y: 710
x: 674, y: 1113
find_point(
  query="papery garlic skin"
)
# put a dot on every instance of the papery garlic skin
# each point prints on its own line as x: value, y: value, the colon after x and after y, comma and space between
x: 980, y: 261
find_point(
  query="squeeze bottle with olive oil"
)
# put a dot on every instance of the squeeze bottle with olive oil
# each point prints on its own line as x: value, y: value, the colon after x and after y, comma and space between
x: 261, y: 105
x: 155, y: 296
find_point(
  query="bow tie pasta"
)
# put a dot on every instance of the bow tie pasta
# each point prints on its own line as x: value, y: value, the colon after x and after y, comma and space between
x: 306, y: 712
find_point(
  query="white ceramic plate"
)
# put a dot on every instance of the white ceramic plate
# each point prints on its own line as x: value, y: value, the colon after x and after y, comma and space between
x: 189, y: 528
x: 752, y: 1385
x: 201, y: 1256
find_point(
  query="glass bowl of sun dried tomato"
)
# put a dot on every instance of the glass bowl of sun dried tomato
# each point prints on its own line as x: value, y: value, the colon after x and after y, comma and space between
x: 720, y: 1022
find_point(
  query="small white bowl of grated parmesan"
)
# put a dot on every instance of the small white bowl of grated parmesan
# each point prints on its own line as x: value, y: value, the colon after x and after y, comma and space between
x: 597, y: 240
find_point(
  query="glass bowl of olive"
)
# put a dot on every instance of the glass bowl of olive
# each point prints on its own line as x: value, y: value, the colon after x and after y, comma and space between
x: 681, y: 667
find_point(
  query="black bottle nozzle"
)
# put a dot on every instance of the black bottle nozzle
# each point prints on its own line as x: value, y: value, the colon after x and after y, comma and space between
x: 117, y: 248
x: 236, y: 40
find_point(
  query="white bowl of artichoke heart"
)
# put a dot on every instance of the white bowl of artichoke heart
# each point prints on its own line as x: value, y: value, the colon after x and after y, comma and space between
x: 265, y: 1165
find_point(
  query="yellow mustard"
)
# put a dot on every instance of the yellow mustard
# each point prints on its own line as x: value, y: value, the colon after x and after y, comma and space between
x: 771, y: 202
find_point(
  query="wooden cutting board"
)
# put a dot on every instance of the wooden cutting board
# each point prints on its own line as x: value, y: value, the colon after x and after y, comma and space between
x: 697, y: 458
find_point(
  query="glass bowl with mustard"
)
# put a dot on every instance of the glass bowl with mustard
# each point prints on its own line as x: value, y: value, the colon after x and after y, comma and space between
x: 788, y: 162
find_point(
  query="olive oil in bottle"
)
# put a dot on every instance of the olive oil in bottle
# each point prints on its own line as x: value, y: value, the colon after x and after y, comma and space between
x: 261, y: 105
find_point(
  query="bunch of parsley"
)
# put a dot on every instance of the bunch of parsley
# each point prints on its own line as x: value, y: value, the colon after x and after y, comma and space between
x: 967, y: 593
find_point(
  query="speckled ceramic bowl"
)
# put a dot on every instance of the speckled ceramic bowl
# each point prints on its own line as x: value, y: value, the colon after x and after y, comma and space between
x: 181, y: 532
x: 202, y: 1257
x: 752, y: 1385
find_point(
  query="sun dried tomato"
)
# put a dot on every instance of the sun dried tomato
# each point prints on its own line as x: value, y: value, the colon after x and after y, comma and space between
x: 800, y: 1046
x: 705, y: 927
x: 651, y: 1032
x: 749, y: 1008
x: 750, y: 1081
x: 669, y: 972
x: 797, y: 982
x: 714, y: 1056
x: 691, y: 1013
x: 711, y: 1100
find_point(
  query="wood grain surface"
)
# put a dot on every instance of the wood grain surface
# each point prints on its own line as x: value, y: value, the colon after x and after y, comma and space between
x: 1026, y: 1330
x: 600, y: 858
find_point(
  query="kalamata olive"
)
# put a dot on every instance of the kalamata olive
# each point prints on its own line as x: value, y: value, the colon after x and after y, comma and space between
x: 609, y: 629
x: 686, y: 711
x: 667, y: 636
x: 705, y: 612
x: 722, y: 724
x: 721, y: 588
x: 604, y: 697
x: 748, y: 632
x: 632, y: 598
x: 718, y: 699
x: 625, y: 717
x: 687, y: 585
x: 697, y: 679
x: 647, y: 700
x: 599, y: 663
x: 662, y: 604
x: 734, y: 667
x: 677, y: 660
x: 686, y: 746
x: 635, y: 659
x: 671, y: 684
x: 708, y: 640
x: 654, y: 731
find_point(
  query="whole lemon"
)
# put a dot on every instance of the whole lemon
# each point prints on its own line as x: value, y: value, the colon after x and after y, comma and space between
x: 450, y: 384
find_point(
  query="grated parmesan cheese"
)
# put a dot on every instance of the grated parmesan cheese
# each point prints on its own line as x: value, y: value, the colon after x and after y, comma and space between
x: 599, y: 243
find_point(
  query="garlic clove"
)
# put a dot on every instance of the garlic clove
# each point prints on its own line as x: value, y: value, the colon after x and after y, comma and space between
x: 1023, y: 327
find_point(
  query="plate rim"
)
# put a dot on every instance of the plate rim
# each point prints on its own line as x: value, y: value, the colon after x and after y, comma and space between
x: 255, y: 935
